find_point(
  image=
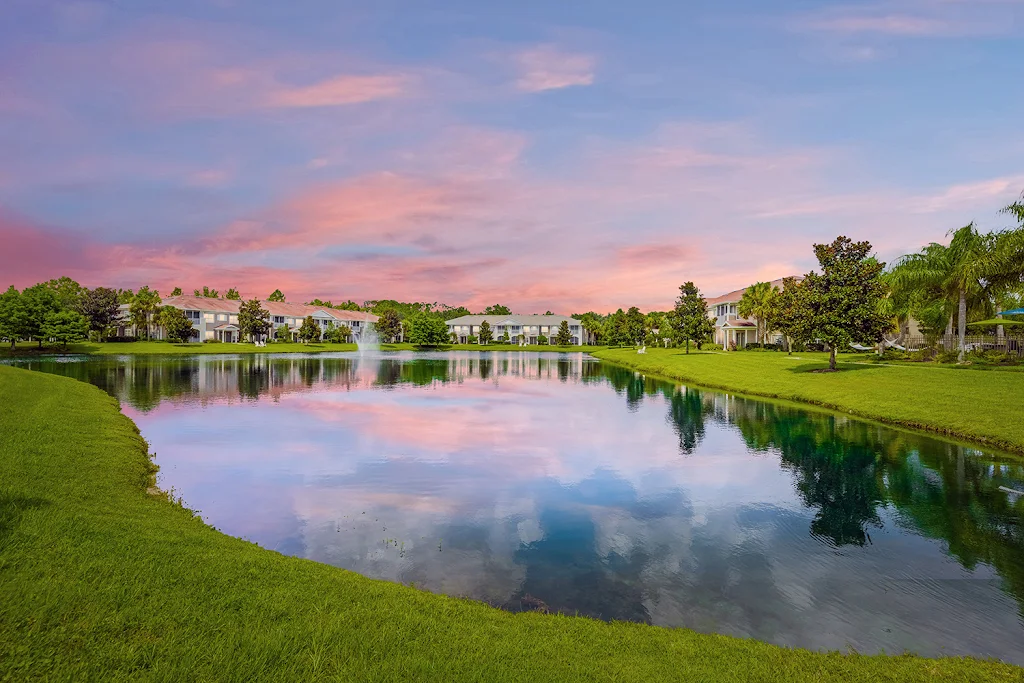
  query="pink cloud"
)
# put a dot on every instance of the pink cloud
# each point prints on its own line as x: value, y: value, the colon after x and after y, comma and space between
x: 340, y: 90
x: 548, y: 68
x: 892, y: 24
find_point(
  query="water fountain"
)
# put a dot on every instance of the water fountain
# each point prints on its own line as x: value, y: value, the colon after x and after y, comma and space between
x: 367, y: 339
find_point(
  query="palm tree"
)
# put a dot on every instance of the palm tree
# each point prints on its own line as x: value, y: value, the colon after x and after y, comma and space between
x: 756, y: 303
x: 963, y: 272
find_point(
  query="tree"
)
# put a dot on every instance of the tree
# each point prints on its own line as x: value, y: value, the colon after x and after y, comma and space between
x: 13, y: 316
x: 614, y: 329
x: 968, y: 274
x: 309, y: 330
x: 692, y: 322
x: 176, y: 291
x: 65, y: 326
x: 338, y: 335
x: 486, y: 334
x: 564, y: 336
x: 283, y: 333
x: 253, y: 320
x: 144, y: 306
x: 498, y: 309
x: 788, y: 315
x: 635, y: 326
x: 176, y: 324
x: 233, y: 295
x: 68, y: 292
x: 426, y: 330
x: 841, y: 305
x: 37, y: 302
x: 757, y: 302
x: 505, y: 339
x: 276, y: 295
x: 100, y: 307
x: 207, y: 293
x: 388, y: 325
x: 542, y: 340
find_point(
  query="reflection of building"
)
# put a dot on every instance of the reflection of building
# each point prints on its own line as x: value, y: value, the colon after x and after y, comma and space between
x: 730, y: 328
x: 529, y: 326
x: 218, y: 318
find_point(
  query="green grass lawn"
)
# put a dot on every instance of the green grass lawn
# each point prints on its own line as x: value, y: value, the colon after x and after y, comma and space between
x: 104, y: 581
x: 159, y: 347
x: 976, y: 405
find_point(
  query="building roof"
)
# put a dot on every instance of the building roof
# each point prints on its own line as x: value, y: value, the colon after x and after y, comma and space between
x: 493, y: 320
x: 291, y: 310
x: 734, y: 296
x: 226, y: 326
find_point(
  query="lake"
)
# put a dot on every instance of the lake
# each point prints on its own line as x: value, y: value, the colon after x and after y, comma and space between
x: 560, y: 483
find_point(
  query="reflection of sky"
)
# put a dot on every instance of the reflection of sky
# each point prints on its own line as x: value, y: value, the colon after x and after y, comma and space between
x: 522, y: 488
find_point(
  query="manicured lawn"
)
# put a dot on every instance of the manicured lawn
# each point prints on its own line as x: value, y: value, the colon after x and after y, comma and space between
x: 155, y: 348
x: 103, y: 581
x: 978, y: 405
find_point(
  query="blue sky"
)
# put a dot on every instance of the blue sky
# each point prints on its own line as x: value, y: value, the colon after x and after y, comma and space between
x: 549, y: 155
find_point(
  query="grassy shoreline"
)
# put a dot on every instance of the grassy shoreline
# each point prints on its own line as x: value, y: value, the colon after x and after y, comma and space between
x: 976, y: 406
x: 102, y: 581
x: 167, y: 348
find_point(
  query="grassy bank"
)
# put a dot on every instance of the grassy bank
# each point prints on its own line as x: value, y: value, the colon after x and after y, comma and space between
x: 167, y: 348
x: 102, y: 581
x: 981, y: 406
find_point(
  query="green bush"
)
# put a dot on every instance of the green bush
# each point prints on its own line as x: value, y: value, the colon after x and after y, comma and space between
x: 541, y: 340
x: 471, y: 339
x: 211, y: 341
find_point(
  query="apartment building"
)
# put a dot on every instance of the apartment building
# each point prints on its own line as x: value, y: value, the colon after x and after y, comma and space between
x: 217, y: 319
x: 529, y: 326
x: 732, y: 329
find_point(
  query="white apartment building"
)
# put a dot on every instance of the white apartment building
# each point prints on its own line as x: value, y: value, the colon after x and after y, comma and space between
x: 730, y: 328
x: 529, y: 326
x: 217, y: 319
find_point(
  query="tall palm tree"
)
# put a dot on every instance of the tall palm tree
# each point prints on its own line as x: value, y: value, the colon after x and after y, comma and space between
x: 756, y: 303
x: 959, y: 273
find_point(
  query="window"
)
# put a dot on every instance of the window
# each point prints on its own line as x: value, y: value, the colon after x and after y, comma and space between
x: 221, y: 317
x: 279, y: 320
x: 193, y: 315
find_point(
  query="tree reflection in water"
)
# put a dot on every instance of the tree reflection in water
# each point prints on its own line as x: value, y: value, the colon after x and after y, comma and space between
x: 846, y: 471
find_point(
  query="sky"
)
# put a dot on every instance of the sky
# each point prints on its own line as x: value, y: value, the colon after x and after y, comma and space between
x: 561, y: 156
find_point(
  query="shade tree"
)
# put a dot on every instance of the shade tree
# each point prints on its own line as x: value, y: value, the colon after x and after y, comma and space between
x: 100, y: 306
x: 276, y: 295
x: 388, y: 325
x: 144, y: 306
x: 564, y: 336
x: 486, y: 334
x: 840, y: 305
x: 427, y: 330
x: 253, y: 320
x: 691, y: 319
x: 37, y: 302
x: 177, y: 326
x: 309, y: 330
x: 65, y: 326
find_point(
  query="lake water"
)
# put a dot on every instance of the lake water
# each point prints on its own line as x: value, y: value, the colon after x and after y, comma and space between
x: 544, y: 481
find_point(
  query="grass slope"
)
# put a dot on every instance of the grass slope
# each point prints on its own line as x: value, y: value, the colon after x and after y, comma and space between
x: 101, y: 581
x: 975, y: 405
x: 167, y: 348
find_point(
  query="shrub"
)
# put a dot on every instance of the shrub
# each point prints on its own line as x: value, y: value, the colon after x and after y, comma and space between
x: 211, y: 341
x: 541, y: 339
x: 948, y: 356
x: 471, y: 339
x: 123, y: 338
